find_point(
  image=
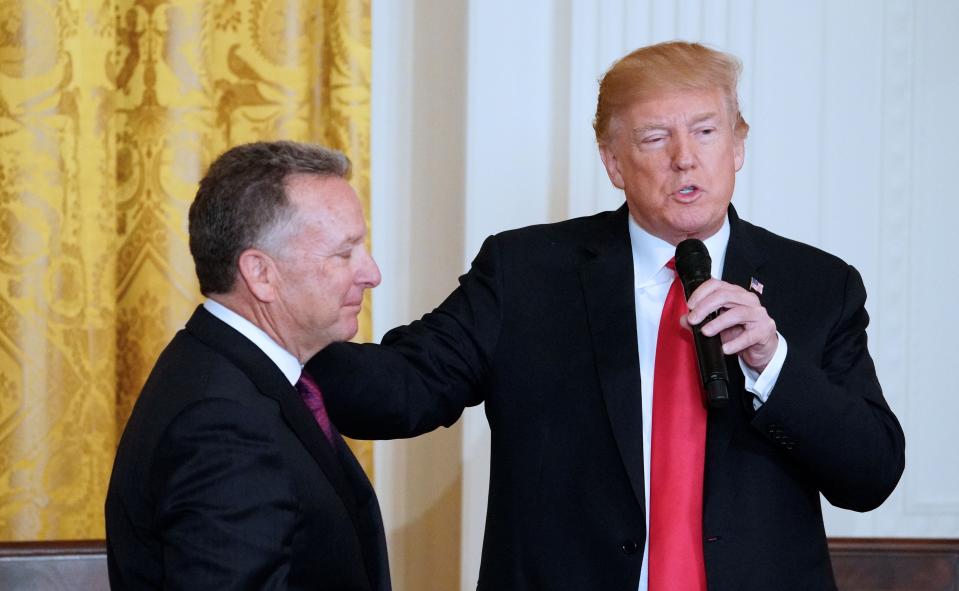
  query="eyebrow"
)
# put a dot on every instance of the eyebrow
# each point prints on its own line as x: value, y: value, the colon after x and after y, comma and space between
x: 353, y: 239
x: 657, y: 126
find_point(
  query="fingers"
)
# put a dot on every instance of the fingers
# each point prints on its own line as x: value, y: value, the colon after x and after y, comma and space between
x: 760, y: 334
x: 744, y: 325
x: 715, y: 295
x: 748, y: 318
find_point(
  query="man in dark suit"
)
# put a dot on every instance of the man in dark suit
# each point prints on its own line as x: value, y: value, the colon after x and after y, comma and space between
x: 229, y: 474
x: 607, y: 472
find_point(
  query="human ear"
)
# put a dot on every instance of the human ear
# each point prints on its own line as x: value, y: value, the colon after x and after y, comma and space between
x: 611, y: 162
x: 259, y: 273
x: 739, y: 151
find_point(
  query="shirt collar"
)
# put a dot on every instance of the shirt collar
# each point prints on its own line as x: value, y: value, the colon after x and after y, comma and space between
x: 650, y: 254
x: 284, y: 360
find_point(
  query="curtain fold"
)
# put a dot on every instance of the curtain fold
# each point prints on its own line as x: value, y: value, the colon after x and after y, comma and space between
x: 110, y: 112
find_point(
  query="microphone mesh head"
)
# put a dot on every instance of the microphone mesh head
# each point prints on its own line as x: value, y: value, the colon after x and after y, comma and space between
x: 692, y: 260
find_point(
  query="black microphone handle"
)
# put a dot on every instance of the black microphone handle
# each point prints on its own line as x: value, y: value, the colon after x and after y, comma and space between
x: 709, y: 354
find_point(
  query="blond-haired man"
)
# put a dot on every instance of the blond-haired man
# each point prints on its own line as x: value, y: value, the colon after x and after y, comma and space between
x: 607, y: 471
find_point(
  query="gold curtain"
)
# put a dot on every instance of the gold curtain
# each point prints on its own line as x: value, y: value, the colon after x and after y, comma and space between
x: 110, y: 112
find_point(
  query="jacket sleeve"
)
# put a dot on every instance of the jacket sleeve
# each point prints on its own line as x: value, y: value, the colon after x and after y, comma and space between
x: 224, y: 504
x: 424, y: 374
x: 827, y: 412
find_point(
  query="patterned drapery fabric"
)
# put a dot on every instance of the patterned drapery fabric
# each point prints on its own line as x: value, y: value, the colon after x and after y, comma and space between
x: 110, y: 112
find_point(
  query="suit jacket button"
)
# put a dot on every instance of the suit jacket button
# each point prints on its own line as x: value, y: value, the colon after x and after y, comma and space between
x: 629, y: 547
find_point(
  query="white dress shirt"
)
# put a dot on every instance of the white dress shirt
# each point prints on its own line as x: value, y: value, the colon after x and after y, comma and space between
x: 651, y: 282
x: 286, y: 361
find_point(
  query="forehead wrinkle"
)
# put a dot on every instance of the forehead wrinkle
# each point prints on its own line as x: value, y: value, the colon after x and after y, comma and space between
x: 664, y: 124
x: 703, y: 117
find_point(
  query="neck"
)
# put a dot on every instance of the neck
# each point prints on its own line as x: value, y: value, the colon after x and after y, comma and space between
x: 264, y: 316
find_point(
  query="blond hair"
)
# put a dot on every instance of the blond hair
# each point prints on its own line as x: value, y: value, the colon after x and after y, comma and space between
x: 667, y: 67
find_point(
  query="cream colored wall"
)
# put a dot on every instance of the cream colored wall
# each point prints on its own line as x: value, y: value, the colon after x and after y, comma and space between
x: 482, y: 123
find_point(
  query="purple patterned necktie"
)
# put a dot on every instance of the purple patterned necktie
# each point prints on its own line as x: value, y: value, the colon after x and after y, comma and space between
x: 314, y: 400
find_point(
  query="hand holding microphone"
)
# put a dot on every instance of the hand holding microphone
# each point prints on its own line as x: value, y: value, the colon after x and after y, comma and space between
x: 744, y: 328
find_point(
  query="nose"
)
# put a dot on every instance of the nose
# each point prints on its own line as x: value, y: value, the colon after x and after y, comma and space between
x: 683, y: 157
x: 368, y: 274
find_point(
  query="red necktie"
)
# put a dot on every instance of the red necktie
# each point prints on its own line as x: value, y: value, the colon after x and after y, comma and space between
x: 677, y: 456
x: 314, y: 400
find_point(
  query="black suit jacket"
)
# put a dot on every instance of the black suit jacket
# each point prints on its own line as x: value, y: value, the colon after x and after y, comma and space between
x: 542, y: 328
x: 224, y: 480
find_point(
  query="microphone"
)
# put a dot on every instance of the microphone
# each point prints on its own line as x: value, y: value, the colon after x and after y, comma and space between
x: 693, y: 266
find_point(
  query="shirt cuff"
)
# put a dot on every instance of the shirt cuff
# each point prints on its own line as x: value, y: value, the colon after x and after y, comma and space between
x: 761, y: 385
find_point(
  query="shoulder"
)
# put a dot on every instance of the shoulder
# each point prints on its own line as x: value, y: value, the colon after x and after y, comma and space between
x: 189, y: 369
x: 784, y: 251
x: 557, y: 244
x: 191, y: 375
x: 799, y: 279
x: 571, y: 231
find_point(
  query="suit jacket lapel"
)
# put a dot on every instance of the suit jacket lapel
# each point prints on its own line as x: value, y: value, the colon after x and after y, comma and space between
x: 272, y: 383
x: 606, y: 275
x: 743, y: 260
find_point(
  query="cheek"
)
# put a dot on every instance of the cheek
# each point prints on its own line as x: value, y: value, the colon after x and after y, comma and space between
x: 345, y: 286
x: 646, y: 173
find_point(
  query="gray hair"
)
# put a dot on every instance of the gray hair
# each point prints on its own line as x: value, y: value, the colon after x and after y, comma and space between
x: 242, y: 203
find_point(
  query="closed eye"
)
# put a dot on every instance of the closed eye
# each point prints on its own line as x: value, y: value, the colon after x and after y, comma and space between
x: 653, y: 140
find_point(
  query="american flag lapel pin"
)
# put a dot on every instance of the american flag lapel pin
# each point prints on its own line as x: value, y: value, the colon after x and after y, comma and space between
x: 755, y: 285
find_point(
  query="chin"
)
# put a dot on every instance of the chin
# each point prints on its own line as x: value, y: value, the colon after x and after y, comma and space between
x: 698, y: 225
x: 348, y: 330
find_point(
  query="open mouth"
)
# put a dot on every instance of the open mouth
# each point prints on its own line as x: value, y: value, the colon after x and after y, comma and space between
x: 688, y: 193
